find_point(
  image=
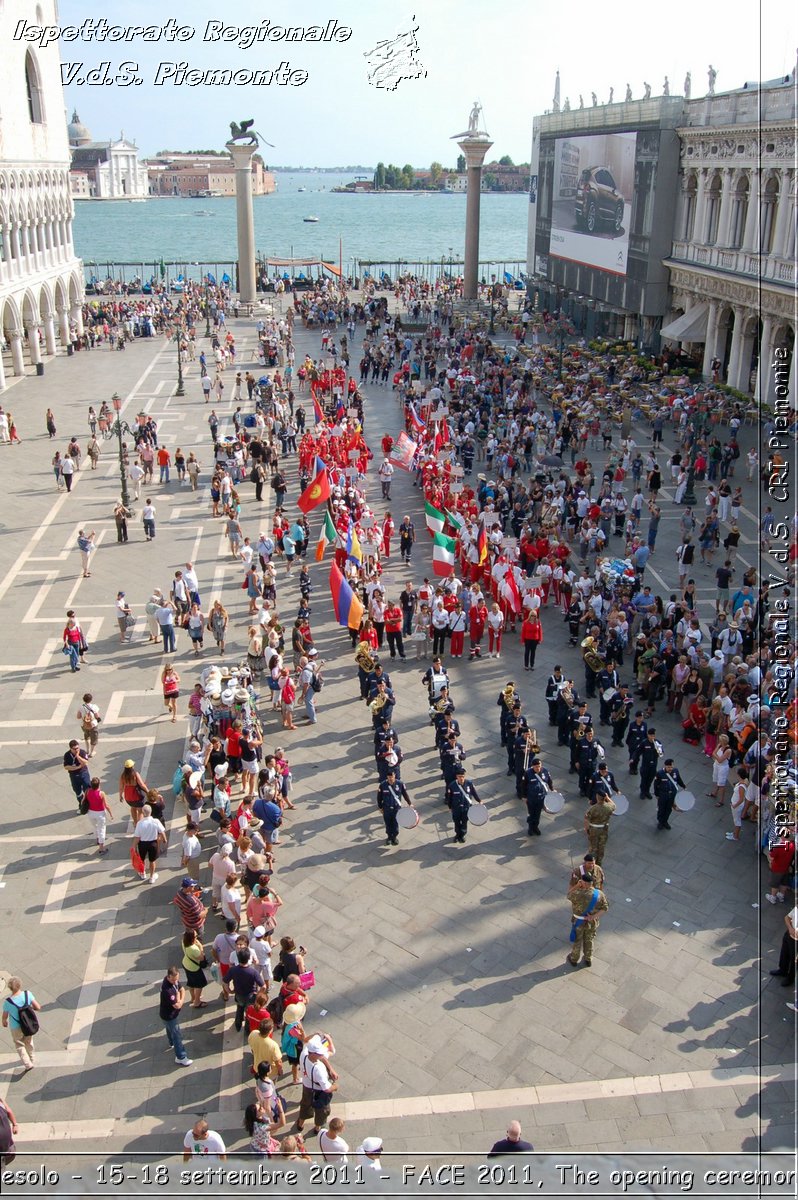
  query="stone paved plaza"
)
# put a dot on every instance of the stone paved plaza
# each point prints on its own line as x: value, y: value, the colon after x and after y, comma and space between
x: 441, y: 968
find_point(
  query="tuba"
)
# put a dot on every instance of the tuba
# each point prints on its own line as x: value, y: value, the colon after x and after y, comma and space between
x: 363, y: 657
x: 591, y: 660
x: 378, y: 704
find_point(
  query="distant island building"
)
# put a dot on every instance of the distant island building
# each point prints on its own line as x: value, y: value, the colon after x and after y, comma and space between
x: 173, y: 173
x: 41, y: 279
x: 104, y: 170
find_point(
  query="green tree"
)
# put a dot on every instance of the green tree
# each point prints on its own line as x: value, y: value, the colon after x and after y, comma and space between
x: 435, y: 171
x: 407, y: 176
x: 506, y: 161
x: 379, y: 175
x: 461, y: 163
x: 490, y: 181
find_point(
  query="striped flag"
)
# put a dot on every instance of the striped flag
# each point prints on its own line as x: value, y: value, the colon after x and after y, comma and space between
x: 348, y: 609
x: 434, y: 517
x: 513, y: 594
x: 454, y: 519
x: 329, y: 535
x: 416, y: 424
x: 442, y: 554
x: 353, y: 550
x: 482, y: 542
x: 318, y: 411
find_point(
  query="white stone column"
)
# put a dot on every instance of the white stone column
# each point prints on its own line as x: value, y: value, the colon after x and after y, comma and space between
x: 474, y: 149
x: 50, y: 344
x: 34, y: 341
x: 2, y: 375
x: 16, y: 241
x: 711, y: 340
x: 241, y: 154
x: 700, y: 208
x: 724, y: 221
x: 17, y: 354
x: 750, y: 235
x: 763, y: 366
x: 63, y: 327
x: 76, y: 317
x: 785, y: 211
x: 734, y: 366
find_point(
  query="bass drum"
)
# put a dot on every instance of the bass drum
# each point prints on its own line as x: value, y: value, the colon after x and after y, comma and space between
x: 407, y: 818
x: 554, y: 803
x: 683, y: 801
x: 621, y: 805
x: 478, y: 814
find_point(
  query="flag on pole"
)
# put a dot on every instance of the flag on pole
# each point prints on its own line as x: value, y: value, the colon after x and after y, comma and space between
x: 329, y: 536
x: 353, y: 550
x: 416, y: 423
x: 442, y: 554
x: 320, y: 464
x: 482, y: 542
x: 434, y: 518
x: 317, y: 492
x: 403, y: 452
x: 348, y: 609
x: 513, y: 594
x: 454, y: 519
x: 318, y: 411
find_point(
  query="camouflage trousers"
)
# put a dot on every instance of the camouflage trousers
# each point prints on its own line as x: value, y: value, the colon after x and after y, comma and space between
x: 586, y: 932
x: 597, y: 839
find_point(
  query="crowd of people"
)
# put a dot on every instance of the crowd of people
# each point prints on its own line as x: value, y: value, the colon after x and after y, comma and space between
x: 540, y: 530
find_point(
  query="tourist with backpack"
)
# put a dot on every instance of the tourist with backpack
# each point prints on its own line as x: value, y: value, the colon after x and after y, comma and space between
x: 19, y: 1015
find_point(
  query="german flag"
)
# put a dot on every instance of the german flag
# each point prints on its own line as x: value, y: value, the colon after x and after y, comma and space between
x: 482, y: 542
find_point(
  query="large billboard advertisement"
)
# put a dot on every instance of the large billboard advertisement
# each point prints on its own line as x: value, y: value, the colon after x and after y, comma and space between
x: 592, y: 199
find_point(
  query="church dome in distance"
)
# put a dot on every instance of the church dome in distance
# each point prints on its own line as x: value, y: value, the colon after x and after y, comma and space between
x: 77, y: 132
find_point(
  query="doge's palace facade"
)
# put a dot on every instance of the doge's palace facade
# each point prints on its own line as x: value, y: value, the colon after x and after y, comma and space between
x: 41, y: 280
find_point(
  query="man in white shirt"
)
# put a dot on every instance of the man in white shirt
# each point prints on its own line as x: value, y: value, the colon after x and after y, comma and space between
x: 191, y: 582
x: 385, y: 474
x: 151, y: 837
x: 202, y: 1142
x: 136, y: 474
x: 333, y: 1147
x: 368, y: 1153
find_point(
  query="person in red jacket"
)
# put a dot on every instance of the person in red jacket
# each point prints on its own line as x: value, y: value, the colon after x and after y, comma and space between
x: 393, y: 629
x: 477, y: 617
x: 531, y: 636
x: 387, y: 531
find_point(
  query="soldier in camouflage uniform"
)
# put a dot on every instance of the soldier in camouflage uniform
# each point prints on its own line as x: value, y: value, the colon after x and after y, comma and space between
x: 583, y: 896
x: 588, y: 866
x: 597, y: 821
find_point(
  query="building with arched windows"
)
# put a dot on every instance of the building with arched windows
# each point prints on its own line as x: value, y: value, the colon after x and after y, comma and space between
x: 732, y: 262
x: 698, y: 250
x: 41, y: 280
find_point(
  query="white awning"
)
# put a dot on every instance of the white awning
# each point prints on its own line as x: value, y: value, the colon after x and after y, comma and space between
x: 689, y: 327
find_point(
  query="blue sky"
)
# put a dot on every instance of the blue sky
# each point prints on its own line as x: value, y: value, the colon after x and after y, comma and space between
x: 504, y: 54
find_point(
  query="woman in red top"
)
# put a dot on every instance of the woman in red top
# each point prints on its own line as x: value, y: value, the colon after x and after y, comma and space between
x: 132, y: 789
x: 233, y: 750
x: 257, y: 1010
x: 171, y: 689
x: 531, y: 636
x: 368, y: 633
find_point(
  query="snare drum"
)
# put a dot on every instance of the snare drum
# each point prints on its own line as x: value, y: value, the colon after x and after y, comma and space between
x: 621, y: 805
x: 407, y: 817
x: 478, y: 814
x: 554, y: 803
x: 683, y: 801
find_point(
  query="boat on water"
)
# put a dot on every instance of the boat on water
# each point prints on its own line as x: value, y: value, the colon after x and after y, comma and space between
x: 310, y: 220
x: 302, y: 189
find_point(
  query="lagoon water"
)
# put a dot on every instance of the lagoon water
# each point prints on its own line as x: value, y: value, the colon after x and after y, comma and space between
x: 417, y: 228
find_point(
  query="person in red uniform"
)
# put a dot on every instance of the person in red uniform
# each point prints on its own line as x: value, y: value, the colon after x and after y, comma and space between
x: 387, y: 532
x: 393, y: 629
x: 477, y: 617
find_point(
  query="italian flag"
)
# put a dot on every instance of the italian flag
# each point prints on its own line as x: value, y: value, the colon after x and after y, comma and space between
x: 442, y: 554
x: 455, y: 520
x: 328, y: 536
x: 434, y: 517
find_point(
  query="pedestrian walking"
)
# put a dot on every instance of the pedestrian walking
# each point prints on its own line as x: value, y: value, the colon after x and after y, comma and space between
x: 203, y: 1143
x: 122, y: 515
x: 170, y: 682
x: 98, y: 810
x: 8, y: 1128
x: 19, y: 1017
x: 86, y: 546
x: 148, y: 519
x: 587, y: 903
x: 89, y: 716
x: 76, y: 764
x: 172, y: 999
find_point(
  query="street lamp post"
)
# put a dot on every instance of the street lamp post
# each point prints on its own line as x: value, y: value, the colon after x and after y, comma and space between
x: 492, y: 328
x: 180, y: 391
x: 207, y: 311
x: 116, y: 429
